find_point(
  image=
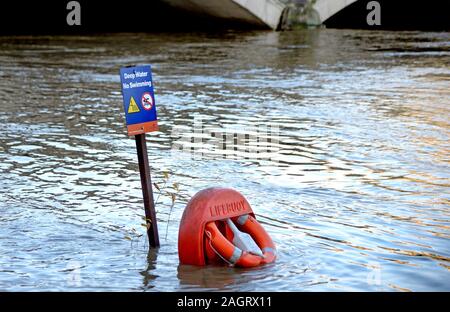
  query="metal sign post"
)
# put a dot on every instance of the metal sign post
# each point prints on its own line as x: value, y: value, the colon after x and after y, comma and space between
x: 140, y: 115
x: 147, y: 190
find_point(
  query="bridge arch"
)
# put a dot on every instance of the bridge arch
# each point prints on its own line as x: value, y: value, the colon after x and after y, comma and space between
x: 324, y: 9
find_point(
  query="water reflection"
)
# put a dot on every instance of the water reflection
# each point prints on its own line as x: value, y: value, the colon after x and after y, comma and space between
x: 148, y: 274
x: 208, y: 278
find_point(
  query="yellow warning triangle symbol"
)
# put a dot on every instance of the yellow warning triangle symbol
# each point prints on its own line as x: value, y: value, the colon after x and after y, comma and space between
x: 133, y: 108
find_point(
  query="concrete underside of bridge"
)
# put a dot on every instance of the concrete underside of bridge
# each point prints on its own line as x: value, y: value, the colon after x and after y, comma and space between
x: 324, y: 9
x: 257, y: 13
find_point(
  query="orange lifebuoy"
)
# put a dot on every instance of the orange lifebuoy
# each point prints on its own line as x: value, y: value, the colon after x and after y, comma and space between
x: 248, y: 224
x: 232, y: 254
x: 214, y: 206
x: 227, y: 251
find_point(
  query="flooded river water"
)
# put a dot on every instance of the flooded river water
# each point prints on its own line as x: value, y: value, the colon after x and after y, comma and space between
x: 353, y: 188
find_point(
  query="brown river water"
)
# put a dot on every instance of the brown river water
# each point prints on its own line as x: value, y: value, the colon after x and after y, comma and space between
x: 354, y: 185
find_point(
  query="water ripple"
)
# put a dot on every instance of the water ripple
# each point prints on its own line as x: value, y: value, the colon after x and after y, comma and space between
x: 354, y: 188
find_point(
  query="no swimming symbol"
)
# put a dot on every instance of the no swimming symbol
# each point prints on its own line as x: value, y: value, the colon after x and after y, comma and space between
x: 147, y: 101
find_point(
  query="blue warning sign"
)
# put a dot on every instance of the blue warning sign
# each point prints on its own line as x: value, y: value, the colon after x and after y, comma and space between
x: 138, y: 99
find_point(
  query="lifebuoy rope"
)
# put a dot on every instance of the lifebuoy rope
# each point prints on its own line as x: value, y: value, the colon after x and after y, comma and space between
x: 208, y: 233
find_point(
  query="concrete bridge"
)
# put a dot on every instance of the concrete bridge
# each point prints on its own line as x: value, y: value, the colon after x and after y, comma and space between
x: 271, y: 14
x: 324, y: 9
x: 257, y: 13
